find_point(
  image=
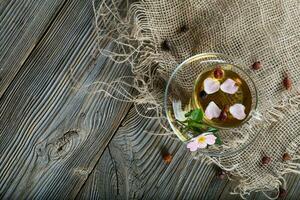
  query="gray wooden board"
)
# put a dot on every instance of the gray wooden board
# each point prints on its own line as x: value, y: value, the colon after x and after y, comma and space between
x: 22, y: 24
x: 132, y: 167
x: 53, y: 131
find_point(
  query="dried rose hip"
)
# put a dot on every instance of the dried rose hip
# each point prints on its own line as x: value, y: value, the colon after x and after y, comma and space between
x: 218, y: 72
x: 226, y: 108
x: 166, y: 45
x: 167, y: 158
x: 184, y: 28
x: 223, y: 115
x: 286, y: 157
x: 265, y: 160
x: 287, y: 82
x: 257, y: 65
x: 221, y: 174
x: 282, y: 192
x: 203, y: 94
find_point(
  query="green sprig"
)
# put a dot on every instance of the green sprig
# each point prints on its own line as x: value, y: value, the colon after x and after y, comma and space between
x: 194, y: 123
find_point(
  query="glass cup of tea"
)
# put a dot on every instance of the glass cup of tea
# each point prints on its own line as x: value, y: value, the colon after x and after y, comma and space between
x: 209, y: 100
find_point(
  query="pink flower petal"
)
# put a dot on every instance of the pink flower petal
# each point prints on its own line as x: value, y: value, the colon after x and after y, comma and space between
x: 229, y: 86
x: 238, y: 111
x: 210, y: 139
x: 212, y: 110
x: 211, y: 86
x: 202, y: 145
x: 193, y: 146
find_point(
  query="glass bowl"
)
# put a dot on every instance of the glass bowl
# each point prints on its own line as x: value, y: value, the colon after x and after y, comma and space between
x: 181, y: 90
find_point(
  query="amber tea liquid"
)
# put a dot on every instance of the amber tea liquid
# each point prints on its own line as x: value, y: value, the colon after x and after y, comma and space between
x: 243, y: 96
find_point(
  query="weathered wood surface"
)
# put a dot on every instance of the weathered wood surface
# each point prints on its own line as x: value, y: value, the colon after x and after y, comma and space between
x: 59, y: 141
x: 132, y: 167
x: 22, y: 24
x: 51, y: 132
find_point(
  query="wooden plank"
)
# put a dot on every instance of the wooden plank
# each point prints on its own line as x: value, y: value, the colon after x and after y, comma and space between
x: 53, y: 130
x: 226, y: 192
x: 22, y: 24
x: 132, y: 167
x: 293, y: 185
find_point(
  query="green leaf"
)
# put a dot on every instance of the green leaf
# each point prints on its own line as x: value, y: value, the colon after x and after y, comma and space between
x: 212, y: 129
x: 188, y: 113
x: 218, y: 140
x: 196, y: 115
x: 195, y: 124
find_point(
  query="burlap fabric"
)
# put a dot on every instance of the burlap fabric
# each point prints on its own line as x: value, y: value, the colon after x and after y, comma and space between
x: 268, y: 31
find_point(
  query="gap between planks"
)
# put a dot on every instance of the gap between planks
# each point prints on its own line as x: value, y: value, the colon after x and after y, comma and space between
x: 107, y: 146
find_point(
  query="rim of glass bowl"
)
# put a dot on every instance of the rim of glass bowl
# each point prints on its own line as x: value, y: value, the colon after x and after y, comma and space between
x: 213, y: 55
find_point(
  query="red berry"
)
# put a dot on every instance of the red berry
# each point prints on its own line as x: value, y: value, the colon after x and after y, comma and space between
x: 184, y: 28
x: 218, y: 72
x: 282, y: 193
x: 287, y: 82
x: 266, y: 160
x: 203, y: 94
x: 226, y: 108
x: 223, y: 115
x: 221, y: 174
x: 257, y: 65
x: 167, y: 158
x: 166, y: 45
x: 286, y: 157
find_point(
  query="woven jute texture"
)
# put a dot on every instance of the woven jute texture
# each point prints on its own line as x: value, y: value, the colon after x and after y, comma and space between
x: 268, y: 31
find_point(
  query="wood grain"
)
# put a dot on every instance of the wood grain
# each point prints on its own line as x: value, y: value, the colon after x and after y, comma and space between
x: 132, y: 167
x: 22, y: 25
x: 53, y: 130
